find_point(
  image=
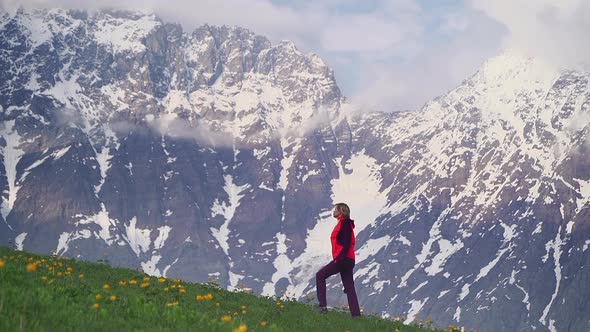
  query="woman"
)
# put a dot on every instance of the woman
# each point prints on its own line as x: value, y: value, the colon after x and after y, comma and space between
x: 343, y: 260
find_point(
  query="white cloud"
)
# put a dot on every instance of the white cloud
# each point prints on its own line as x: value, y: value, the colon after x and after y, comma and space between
x: 554, y: 29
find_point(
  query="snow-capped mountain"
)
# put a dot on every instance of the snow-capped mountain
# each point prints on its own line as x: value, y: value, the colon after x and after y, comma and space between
x: 217, y: 153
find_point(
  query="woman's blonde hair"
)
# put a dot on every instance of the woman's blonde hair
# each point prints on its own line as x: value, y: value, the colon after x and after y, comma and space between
x: 343, y: 209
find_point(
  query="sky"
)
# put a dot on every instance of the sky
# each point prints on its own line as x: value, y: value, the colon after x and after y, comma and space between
x: 391, y: 55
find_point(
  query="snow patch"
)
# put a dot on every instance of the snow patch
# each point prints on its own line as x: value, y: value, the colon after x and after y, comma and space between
x: 227, y: 210
x: 415, y: 307
x: 282, y: 264
x: 138, y: 239
x: 149, y: 267
x: 19, y: 240
x: 12, y: 155
x: 163, y: 233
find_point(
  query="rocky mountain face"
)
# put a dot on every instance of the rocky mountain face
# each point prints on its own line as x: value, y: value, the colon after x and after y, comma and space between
x: 218, y: 154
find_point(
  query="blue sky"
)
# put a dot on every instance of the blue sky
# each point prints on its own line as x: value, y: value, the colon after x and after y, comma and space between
x: 392, y: 55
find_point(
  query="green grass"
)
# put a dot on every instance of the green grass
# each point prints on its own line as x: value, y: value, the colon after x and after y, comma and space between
x: 45, y: 300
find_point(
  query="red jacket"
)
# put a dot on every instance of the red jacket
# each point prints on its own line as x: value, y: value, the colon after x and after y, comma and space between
x: 343, y: 239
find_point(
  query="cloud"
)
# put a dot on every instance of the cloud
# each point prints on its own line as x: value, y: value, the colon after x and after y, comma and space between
x: 556, y: 30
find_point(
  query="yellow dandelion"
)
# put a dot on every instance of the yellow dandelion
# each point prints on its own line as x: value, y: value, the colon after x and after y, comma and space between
x: 235, y: 313
x: 176, y: 281
x: 243, y: 312
x: 59, y: 274
x: 397, y: 330
x: 145, y: 285
x: 95, y: 306
x: 242, y: 328
x: 106, y: 286
x: 122, y: 283
x: 174, y: 286
x: 113, y: 298
x: 209, y: 297
x: 98, y: 296
x: 199, y: 297
x: 218, y: 304
x: 226, y: 319
x: 31, y: 267
x: 165, y: 289
x: 68, y: 273
x: 1, y: 264
x: 132, y: 282
x: 146, y: 279
x: 81, y: 276
x: 263, y: 323
x: 70, y: 269
x: 182, y: 291
x: 44, y: 278
x: 172, y: 304
x: 161, y: 280
x: 243, y: 307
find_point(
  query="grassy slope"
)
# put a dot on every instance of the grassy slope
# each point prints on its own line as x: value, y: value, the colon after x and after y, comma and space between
x: 61, y: 301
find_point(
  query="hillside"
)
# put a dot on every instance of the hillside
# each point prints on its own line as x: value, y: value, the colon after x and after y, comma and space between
x: 40, y: 293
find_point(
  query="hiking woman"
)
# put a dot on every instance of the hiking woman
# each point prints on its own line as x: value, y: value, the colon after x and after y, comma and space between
x: 343, y: 260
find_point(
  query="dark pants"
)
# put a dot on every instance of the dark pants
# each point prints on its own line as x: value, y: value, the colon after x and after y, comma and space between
x: 345, y: 267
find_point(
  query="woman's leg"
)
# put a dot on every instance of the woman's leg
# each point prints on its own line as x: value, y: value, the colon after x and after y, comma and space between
x: 320, y: 281
x: 347, y: 280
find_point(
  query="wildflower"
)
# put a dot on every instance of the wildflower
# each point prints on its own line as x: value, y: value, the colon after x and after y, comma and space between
x: 176, y: 281
x: 59, y: 274
x: 172, y: 304
x: 209, y: 297
x: 122, y: 283
x: 1, y: 264
x: 165, y: 289
x: 243, y: 312
x: 98, y: 296
x: 113, y: 298
x: 263, y: 323
x: 182, y: 291
x: 242, y: 328
x: 31, y: 267
x: 51, y: 281
x: 106, y: 286
x: 70, y: 269
x: 95, y: 306
x: 243, y: 307
x: 144, y: 285
x: 81, y: 276
x: 397, y: 330
x: 218, y: 304
x: 68, y: 273
x: 226, y: 319
x: 235, y: 313
x: 173, y: 286
x: 161, y: 280
x: 146, y: 279
x: 199, y: 297
x: 44, y: 278
x: 132, y: 282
